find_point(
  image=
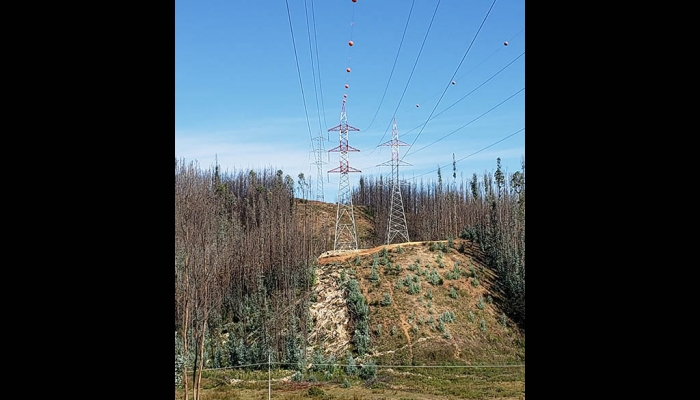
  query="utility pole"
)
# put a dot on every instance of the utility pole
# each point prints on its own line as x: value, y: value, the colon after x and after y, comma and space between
x: 397, y: 217
x: 345, y: 232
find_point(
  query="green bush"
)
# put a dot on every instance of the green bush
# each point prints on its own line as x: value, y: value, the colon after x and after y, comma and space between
x: 480, y: 303
x: 368, y: 370
x: 393, y: 330
x: 453, y: 292
x: 387, y: 300
x: 315, y: 391
x: 482, y: 323
x: 351, y: 367
x: 434, y: 278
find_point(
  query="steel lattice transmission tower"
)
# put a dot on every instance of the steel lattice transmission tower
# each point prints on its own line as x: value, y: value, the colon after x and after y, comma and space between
x: 345, y: 233
x: 397, y: 217
x: 318, y: 155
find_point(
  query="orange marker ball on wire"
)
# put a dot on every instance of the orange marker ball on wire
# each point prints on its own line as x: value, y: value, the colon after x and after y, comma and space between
x: 351, y: 43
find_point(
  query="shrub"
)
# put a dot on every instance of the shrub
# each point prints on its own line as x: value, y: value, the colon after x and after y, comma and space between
x: 379, y: 329
x: 429, y: 295
x: 503, y: 319
x: 368, y: 370
x: 471, y: 316
x: 387, y: 300
x: 480, y: 303
x: 346, y: 383
x: 453, y: 292
x: 414, y: 288
x: 315, y: 391
x: 482, y: 323
x: 434, y: 278
x: 393, y: 330
x: 374, y: 276
x: 475, y: 282
x: 447, y: 316
x: 351, y: 367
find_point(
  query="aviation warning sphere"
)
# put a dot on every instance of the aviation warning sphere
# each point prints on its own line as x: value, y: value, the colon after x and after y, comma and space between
x: 417, y: 105
x: 347, y: 86
x: 354, y: 1
x: 504, y: 43
x: 453, y: 82
x: 345, y: 96
x: 348, y: 69
x: 350, y: 43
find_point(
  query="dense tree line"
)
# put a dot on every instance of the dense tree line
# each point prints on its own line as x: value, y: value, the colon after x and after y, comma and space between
x: 489, y: 210
x: 243, y: 269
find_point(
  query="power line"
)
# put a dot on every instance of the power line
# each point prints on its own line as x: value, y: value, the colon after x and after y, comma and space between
x: 499, y: 48
x: 410, y: 76
x: 461, y: 127
x: 474, y: 153
x: 452, y: 78
x: 296, y: 58
x: 465, y: 125
x: 393, y: 66
x: 313, y: 69
x: 473, y: 90
x: 318, y: 65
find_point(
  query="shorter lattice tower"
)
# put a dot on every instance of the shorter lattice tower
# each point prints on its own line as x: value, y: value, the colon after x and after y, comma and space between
x: 397, y: 217
x: 318, y: 156
x: 345, y: 232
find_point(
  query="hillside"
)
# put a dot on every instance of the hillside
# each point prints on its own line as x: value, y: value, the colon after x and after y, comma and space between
x: 427, y: 282
x: 461, y: 287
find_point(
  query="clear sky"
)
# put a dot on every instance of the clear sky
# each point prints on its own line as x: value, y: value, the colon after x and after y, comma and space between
x: 242, y: 95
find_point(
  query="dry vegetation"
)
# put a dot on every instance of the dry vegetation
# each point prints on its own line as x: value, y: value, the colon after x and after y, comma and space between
x: 255, y: 271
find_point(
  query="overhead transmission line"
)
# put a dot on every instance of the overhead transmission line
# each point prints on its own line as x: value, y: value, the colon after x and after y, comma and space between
x: 463, y: 126
x: 451, y: 79
x: 499, y: 48
x: 318, y: 65
x: 473, y: 120
x: 313, y: 69
x: 296, y: 58
x: 467, y: 95
x: 409, y: 77
x: 393, y: 66
x: 472, y: 154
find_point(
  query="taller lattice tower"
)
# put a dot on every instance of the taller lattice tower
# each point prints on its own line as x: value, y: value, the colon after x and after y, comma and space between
x: 397, y: 218
x: 345, y: 232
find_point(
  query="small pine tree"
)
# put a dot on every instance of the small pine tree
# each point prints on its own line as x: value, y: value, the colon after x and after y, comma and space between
x: 351, y: 367
x: 368, y: 370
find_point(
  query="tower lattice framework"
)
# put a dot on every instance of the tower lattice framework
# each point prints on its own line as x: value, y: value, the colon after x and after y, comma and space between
x: 345, y: 232
x: 397, y: 218
x: 318, y: 155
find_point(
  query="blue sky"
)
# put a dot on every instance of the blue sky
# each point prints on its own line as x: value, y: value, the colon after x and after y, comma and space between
x: 238, y: 95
